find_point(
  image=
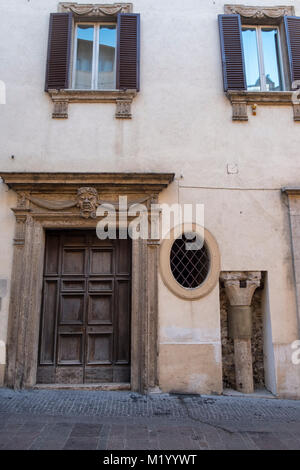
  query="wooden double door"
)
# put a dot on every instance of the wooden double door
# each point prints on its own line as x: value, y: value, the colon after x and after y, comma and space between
x: 85, y: 320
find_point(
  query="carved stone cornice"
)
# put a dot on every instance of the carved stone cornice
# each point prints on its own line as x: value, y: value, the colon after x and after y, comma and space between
x: 62, y: 98
x: 241, y: 99
x: 104, y: 182
x: 94, y: 9
x: 259, y: 12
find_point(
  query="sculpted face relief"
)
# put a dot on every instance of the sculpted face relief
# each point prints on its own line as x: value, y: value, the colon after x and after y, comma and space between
x: 87, y: 201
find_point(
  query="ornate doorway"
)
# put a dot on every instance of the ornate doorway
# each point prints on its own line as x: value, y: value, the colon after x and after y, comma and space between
x: 68, y: 201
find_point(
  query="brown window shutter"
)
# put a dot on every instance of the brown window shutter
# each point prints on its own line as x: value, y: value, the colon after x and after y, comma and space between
x: 233, y: 63
x: 128, y: 54
x: 59, y: 50
x: 292, y: 29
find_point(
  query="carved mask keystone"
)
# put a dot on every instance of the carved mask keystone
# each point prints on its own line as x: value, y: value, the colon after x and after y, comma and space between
x: 87, y: 201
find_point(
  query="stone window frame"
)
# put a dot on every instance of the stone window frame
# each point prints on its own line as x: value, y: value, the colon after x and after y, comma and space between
x: 168, y: 278
x: 240, y: 100
x: 49, y: 201
x: 62, y: 98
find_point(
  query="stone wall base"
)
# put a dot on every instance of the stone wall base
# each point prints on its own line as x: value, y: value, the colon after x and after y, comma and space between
x: 190, y: 368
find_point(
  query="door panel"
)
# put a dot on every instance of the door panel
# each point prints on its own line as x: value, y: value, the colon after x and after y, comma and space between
x: 100, y: 309
x: 85, y: 322
x: 48, y: 324
x: 101, y: 261
x: 73, y: 261
x: 71, y: 309
x: 70, y: 347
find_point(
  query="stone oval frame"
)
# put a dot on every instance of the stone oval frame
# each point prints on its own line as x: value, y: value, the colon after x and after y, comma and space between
x: 214, y: 270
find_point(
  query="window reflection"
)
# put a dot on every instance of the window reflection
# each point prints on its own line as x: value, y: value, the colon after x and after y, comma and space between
x: 84, y: 60
x: 270, y: 45
x: 107, y: 57
x: 251, y: 59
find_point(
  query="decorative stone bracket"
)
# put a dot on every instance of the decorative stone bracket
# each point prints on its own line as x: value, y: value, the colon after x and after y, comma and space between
x: 241, y: 99
x: 62, y: 98
x: 240, y: 287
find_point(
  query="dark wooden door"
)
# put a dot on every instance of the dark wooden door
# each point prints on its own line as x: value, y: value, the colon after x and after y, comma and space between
x: 85, y: 322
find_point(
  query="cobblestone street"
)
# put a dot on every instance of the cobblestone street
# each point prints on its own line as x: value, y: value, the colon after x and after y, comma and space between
x: 47, y: 419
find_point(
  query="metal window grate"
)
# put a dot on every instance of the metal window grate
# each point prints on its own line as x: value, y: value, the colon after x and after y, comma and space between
x: 189, y: 267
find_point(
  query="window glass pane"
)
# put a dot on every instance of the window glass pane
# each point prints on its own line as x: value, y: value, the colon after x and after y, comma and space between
x: 251, y: 59
x: 107, y: 57
x: 270, y: 43
x: 84, y: 59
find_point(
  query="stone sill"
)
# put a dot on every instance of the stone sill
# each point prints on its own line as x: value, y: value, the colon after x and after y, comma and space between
x: 62, y: 98
x: 240, y: 100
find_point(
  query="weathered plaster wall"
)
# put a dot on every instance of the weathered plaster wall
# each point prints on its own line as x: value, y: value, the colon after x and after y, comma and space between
x: 181, y: 123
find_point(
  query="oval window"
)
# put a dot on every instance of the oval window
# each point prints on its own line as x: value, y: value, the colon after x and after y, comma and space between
x: 189, y: 261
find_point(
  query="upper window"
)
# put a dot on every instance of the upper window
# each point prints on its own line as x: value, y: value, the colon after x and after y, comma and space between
x: 260, y: 57
x: 95, y: 57
x: 263, y: 59
x: 102, y: 59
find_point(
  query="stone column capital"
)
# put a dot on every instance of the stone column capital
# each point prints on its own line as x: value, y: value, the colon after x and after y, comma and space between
x: 240, y: 286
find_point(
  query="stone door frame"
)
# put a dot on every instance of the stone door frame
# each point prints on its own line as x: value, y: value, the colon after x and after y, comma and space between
x: 48, y: 201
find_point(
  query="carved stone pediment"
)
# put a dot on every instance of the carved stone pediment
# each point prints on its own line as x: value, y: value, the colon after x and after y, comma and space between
x: 94, y: 9
x: 79, y: 194
x: 259, y: 12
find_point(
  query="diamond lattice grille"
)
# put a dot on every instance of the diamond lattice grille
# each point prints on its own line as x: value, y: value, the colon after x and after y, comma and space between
x: 189, y: 267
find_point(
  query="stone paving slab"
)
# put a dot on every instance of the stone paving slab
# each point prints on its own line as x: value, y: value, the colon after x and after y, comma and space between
x: 48, y: 419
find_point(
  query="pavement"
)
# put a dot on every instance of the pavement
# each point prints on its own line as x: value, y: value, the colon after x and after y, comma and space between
x: 90, y: 420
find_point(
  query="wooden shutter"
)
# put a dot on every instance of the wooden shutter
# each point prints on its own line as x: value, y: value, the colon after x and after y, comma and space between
x: 234, y: 75
x: 128, y: 54
x: 292, y: 29
x: 59, y: 50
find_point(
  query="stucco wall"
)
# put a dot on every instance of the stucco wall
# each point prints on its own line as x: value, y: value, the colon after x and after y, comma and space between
x: 181, y: 123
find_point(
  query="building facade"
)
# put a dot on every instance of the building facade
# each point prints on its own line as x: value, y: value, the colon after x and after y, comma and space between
x: 169, y: 105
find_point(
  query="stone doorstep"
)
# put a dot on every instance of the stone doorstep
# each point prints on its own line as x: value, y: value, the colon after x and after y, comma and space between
x: 98, y: 386
x: 261, y: 393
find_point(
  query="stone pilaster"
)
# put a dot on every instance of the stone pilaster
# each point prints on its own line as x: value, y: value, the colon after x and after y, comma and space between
x: 293, y: 195
x: 240, y: 287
